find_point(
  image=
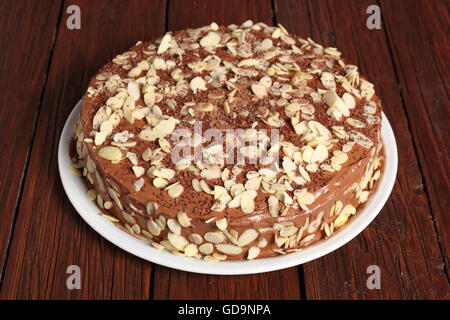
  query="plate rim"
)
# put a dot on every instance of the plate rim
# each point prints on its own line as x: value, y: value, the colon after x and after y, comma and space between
x: 89, y: 212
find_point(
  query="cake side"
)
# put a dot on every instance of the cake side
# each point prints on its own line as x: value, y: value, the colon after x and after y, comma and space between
x: 309, y: 177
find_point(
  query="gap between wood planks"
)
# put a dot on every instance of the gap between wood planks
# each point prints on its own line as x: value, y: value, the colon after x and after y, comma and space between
x: 30, y: 147
x: 416, y: 151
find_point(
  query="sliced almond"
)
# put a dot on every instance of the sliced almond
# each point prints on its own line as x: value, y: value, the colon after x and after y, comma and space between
x: 340, y: 220
x: 222, y: 224
x: 165, y: 43
x: 115, y: 196
x: 110, y: 218
x: 132, y: 157
x: 266, y: 82
x: 191, y: 250
x: 205, y: 187
x: 160, y: 183
x: 183, y: 219
x: 327, y: 80
x: 212, y: 39
x: 219, y: 257
x: 150, y: 208
x: 196, y: 185
x: 108, y: 205
x: 129, y: 218
x: 206, y: 248
x: 164, y: 144
x: 214, y: 237
x: 133, y: 90
x: 165, y: 173
x: 339, y: 157
x: 100, y: 137
x: 253, y: 252
x: 135, y: 72
x: 333, y: 100
x: 259, y: 90
x: 138, y: 184
x: 178, y: 241
x: 247, y: 237
x: 292, y: 108
x: 204, y: 107
x: 91, y: 194
x: 247, y: 202
x: 355, y: 123
x: 197, y: 83
x: 248, y: 62
x: 196, y: 238
x: 175, y: 191
x: 174, y: 226
x: 320, y: 154
x: 288, y: 231
x: 338, y: 206
x: 165, y: 127
x: 110, y: 153
x: 304, y: 198
x: 253, y: 184
x: 274, y: 208
x: 138, y: 171
x: 159, y: 64
x: 229, y: 249
x: 149, y: 98
x: 348, y: 210
x: 361, y: 139
x: 335, y: 165
x: 349, y: 100
x: 144, y: 65
x: 264, y: 45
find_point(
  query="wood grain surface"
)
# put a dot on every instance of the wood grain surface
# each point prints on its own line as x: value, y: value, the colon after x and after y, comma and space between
x: 28, y: 31
x: 45, y: 68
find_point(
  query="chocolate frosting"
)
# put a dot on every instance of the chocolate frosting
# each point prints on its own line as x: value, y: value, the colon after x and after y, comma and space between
x: 234, y: 64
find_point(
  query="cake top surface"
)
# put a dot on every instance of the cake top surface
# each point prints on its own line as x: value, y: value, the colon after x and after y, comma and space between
x: 238, y: 121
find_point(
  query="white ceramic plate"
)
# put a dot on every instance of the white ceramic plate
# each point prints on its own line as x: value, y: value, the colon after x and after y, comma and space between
x: 76, y: 191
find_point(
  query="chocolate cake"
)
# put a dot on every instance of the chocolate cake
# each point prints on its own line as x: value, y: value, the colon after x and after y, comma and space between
x: 228, y: 143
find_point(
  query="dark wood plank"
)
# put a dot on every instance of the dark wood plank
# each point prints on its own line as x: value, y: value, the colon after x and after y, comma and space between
x: 173, y: 284
x: 402, y: 240
x: 421, y: 55
x: 49, y: 235
x: 26, y: 43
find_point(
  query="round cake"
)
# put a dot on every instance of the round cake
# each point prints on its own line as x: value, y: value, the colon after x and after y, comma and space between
x: 230, y: 142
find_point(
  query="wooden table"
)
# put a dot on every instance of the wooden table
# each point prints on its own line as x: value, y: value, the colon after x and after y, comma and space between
x: 45, y: 68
